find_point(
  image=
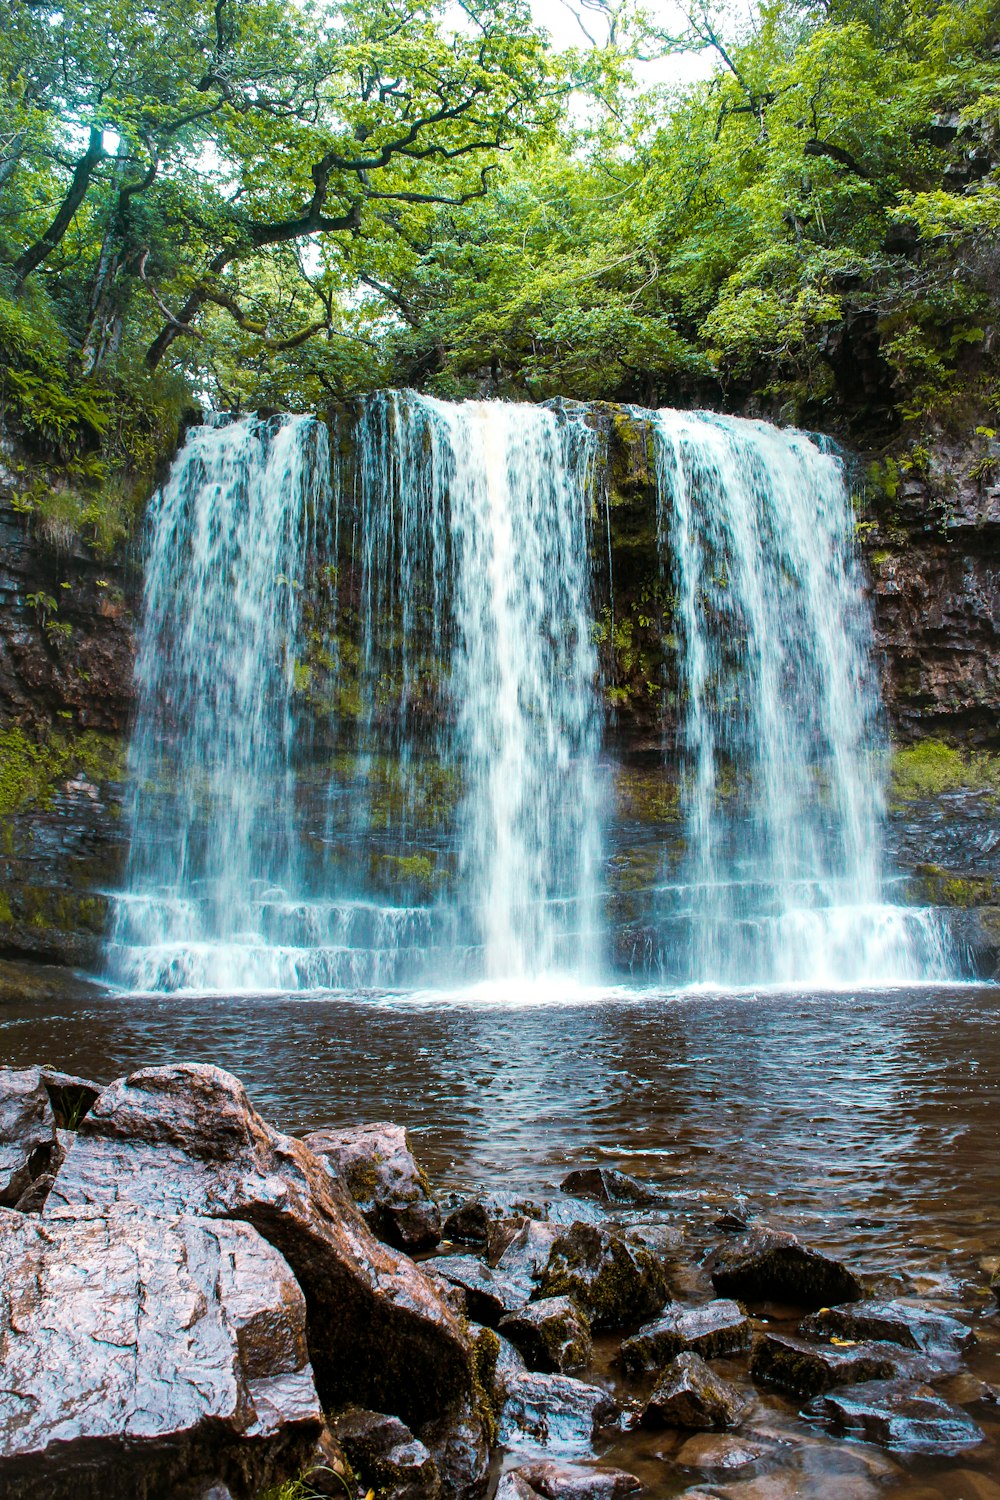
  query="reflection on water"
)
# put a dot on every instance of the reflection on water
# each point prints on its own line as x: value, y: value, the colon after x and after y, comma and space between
x: 869, y: 1122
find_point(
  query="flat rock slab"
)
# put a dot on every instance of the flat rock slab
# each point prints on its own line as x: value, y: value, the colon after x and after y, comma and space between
x: 185, y: 1139
x: 148, y: 1356
x: 614, y: 1280
x: 806, y: 1369
x: 912, y: 1327
x: 712, y: 1330
x: 553, y: 1414
x: 489, y: 1295
x: 553, y: 1335
x: 380, y: 1172
x: 575, y: 1482
x: 904, y: 1416
x: 690, y: 1394
x: 721, y: 1452
x: 772, y: 1265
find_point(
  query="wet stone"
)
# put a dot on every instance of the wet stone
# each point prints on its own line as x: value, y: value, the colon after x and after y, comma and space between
x: 27, y: 1131
x: 380, y: 1172
x: 690, y: 1394
x: 720, y: 1452
x: 806, y: 1369
x: 664, y: 1240
x: 489, y: 1295
x: 718, y: 1328
x: 902, y: 1415
x: 772, y: 1265
x: 553, y: 1414
x: 613, y: 1279
x: 514, y: 1486
x: 552, y: 1335
x: 912, y: 1327
x: 525, y: 1253
x: 609, y: 1186
x: 556, y: 1481
x: 386, y: 1455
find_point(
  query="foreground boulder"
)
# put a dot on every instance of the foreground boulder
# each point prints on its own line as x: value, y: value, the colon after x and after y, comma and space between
x: 712, y: 1330
x: 552, y: 1335
x: 615, y: 1280
x: 690, y: 1394
x: 185, y: 1139
x: 377, y: 1167
x: 28, y: 1146
x: 771, y: 1265
x: 806, y: 1369
x: 148, y: 1356
x: 902, y: 1415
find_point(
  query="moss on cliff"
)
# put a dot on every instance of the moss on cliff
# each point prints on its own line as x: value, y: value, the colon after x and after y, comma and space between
x: 31, y: 770
x: 933, y: 768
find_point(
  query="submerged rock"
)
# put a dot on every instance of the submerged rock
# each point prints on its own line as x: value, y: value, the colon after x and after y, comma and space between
x: 902, y: 1415
x: 690, y: 1394
x: 148, y: 1356
x: 807, y: 1369
x: 557, y: 1481
x: 614, y: 1280
x: 28, y: 1145
x: 609, y: 1186
x: 385, y: 1455
x: 185, y: 1139
x: 716, y: 1328
x: 720, y: 1452
x: 553, y: 1335
x: 772, y: 1265
x: 921, y: 1328
x: 553, y: 1413
x: 377, y: 1167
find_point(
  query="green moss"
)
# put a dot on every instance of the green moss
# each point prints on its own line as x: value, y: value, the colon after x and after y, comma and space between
x: 6, y: 915
x: 32, y: 769
x: 940, y: 887
x: 932, y: 768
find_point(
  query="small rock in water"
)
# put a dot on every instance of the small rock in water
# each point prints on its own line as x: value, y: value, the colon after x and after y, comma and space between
x: 523, y: 1255
x: 553, y: 1335
x: 717, y: 1328
x: 690, y: 1394
x: 920, y: 1328
x: 720, y: 1452
x: 608, y: 1186
x: 381, y: 1174
x: 901, y: 1415
x: 489, y: 1295
x: 554, y: 1413
x: 613, y: 1279
x: 665, y: 1240
x: 386, y: 1455
x: 807, y: 1369
x: 574, y: 1482
x: 771, y: 1264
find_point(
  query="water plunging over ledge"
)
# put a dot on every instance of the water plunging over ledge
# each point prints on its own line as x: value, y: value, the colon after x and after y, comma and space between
x: 445, y: 580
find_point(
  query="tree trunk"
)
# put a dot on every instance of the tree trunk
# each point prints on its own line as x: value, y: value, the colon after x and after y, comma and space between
x: 85, y: 168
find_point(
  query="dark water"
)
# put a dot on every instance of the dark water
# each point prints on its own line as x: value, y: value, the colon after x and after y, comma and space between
x: 869, y: 1123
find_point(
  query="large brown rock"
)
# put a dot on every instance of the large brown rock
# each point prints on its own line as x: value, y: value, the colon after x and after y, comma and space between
x: 380, y: 1172
x: 185, y: 1139
x: 27, y: 1131
x: 148, y: 1356
x: 712, y: 1330
x: 807, y: 1369
x: 902, y: 1415
x: 690, y: 1394
x: 552, y: 1334
x: 772, y: 1265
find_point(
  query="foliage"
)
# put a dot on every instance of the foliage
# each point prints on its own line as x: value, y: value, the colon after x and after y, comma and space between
x: 31, y: 770
x: 932, y: 768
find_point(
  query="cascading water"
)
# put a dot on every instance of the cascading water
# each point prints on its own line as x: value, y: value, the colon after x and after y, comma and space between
x: 434, y: 608
x: 783, y: 755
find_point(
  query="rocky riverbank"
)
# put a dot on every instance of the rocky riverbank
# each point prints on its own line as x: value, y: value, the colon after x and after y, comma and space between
x: 196, y: 1305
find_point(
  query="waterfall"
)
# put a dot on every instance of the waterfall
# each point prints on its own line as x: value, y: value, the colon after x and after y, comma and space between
x: 782, y: 746
x: 211, y: 786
